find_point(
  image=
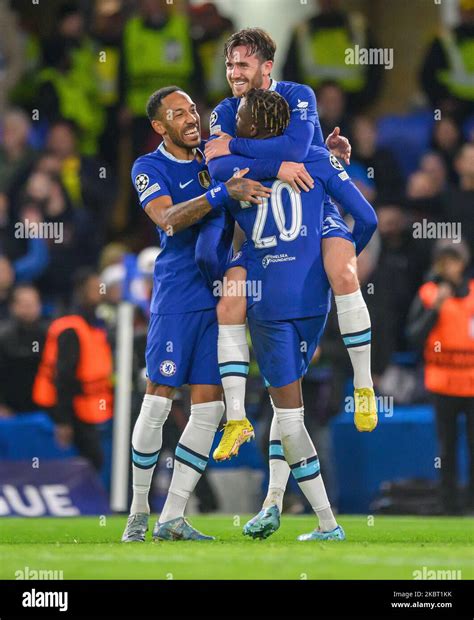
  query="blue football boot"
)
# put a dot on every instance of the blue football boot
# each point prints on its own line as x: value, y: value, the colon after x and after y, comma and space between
x: 136, y: 528
x: 178, y: 529
x: 264, y: 524
x: 335, y: 534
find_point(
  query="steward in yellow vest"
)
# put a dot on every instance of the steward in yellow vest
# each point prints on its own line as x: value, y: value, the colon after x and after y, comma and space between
x: 66, y: 91
x: 157, y: 51
x: 447, y: 74
x: 317, y: 54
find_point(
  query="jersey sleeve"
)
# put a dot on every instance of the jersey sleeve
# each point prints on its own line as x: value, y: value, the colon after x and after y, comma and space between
x: 223, y: 168
x: 340, y: 187
x: 214, y: 246
x: 222, y: 119
x: 149, y: 182
x: 296, y: 140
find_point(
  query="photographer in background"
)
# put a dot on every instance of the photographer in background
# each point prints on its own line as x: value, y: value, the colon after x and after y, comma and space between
x: 442, y: 321
x: 74, y: 380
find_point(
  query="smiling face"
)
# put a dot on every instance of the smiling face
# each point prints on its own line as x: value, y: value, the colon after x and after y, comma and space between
x: 244, y: 71
x: 178, y: 121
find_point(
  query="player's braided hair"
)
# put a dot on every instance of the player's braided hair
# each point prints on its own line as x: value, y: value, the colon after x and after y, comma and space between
x: 269, y: 110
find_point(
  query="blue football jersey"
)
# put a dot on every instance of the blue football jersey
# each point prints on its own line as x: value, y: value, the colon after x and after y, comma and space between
x: 283, y: 250
x: 302, y: 102
x: 178, y: 285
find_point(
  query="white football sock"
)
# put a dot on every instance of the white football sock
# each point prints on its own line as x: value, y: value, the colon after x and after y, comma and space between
x: 279, y: 468
x: 233, y: 355
x: 147, y: 438
x: 191, y: 456
x: 354, y: 323
x: 304, y: 463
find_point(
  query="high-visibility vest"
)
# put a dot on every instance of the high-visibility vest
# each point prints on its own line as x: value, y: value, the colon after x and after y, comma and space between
x: 94, y: 404
x: 211, y: 55
x: 459, y: 77
x: 322, y: 54
x: 76, y: 104
x: 449, y: 348
x: 107, y: 67
x: 156, y: 58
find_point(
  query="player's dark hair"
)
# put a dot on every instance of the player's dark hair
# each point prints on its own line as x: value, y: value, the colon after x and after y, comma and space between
x: 256, y: 40
x: 154, y: 102
x: 269, y: 110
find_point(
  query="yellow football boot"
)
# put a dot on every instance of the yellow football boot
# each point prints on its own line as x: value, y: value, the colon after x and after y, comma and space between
x: 365, y: 410
x: 236, y: 433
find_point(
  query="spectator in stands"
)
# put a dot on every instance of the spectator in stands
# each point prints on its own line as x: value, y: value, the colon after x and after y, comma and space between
x: 21, y: 342
x: 399, y: 271
x: 447, y: 75
x: 441, y: 323
x: 211, y: 30
x: 89, y: 184
x: 67, y: 88
x: 16, y: 156
x: 7, y: 278
x: 379, y: 162
x: 446, y: 141
x: 459, y: 201
x: 157, y: 51
x: 107, y: 28
x: 71, y: 236
x: 332, y: 109
x: 426, y: 187
x: 74, y: 380
x: 318, y: 53
x: 21, y: 243
x: 10, y: 53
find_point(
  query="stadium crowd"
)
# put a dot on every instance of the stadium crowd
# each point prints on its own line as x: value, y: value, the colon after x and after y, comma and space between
x: 73, y: 119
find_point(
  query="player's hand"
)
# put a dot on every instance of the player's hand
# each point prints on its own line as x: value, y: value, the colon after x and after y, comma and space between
x: 339, y: 146
x: 296, y: 175
x: 218, y: 147
x: 63, y: 434
x: 246, y: 190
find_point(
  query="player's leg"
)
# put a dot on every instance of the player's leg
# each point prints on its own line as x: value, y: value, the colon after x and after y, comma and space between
x: 340, y: 264
x: 191, y: 457
x: 192, y: 451
x: 233, y: 355
x: 147, y: 432
x: 301, y: 454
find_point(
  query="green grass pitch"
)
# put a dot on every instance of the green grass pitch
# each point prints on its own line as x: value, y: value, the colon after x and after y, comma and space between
x: 89, y: 548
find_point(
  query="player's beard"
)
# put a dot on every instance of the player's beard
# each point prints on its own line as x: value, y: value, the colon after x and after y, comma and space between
x: 180, y: 142
x: 255, y: 82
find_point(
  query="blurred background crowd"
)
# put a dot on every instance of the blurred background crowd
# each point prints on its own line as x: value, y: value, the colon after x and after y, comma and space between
x: 74, y: 80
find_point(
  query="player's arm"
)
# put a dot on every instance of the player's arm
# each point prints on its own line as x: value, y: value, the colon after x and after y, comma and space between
x: 173, y: 218
x: 214, y: 247
x: 296, y: 140
x: 154, y: 193
x: 222, y: 120
x: 222, y: 168
x: 340, y: 187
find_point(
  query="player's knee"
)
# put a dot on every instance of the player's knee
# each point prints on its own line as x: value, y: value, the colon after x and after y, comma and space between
x: 344, y: 280
x: 231, y: 310
x: 290, y: 422
x: 207, y: 416
x: 156, y: 389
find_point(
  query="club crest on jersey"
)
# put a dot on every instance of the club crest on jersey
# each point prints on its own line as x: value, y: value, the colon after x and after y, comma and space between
x: 335, y: 163
x: 141, y: 182
x: 168, y: 368
x: 204, y: 179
